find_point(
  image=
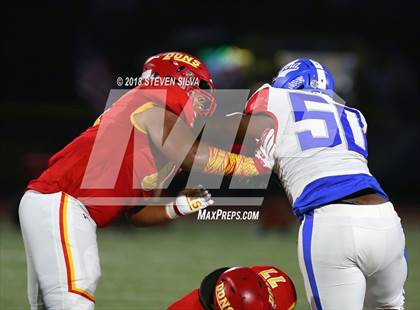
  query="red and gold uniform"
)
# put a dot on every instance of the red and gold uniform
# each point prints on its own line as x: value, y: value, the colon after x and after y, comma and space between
x: 100, y: 175
x: 99, y: 163
x: 282, y: 287
x: 59, y: 214
x: 94, y: 179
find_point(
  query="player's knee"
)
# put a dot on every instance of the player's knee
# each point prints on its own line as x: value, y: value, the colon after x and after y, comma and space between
x: 397, y: 304
x: 93, y: 277
x: 96, y: 276
x: 92, y: 267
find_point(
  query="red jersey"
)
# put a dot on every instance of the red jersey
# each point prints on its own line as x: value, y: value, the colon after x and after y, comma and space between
x: 191, y: 301
x: 111, y: 161
x: 283, y: 290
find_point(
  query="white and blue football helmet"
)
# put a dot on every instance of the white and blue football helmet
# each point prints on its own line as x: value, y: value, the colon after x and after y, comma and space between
x: 305, y: 74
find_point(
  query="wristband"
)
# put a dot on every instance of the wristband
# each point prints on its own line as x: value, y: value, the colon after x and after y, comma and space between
x: 172, y: 211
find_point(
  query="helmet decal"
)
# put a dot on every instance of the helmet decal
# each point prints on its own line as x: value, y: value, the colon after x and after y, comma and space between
x: 181, y: 57
x: 296, y: 83
x: 291, y: 66
x: 221, y: 298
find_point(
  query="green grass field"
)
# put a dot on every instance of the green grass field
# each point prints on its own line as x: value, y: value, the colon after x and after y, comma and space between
x: 150, y: 268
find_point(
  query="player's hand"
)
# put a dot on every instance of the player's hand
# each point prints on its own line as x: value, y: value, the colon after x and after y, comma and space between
x: 264, y: 153
x: 189, y: 201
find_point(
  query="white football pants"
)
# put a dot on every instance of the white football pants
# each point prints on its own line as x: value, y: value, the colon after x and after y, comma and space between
x: 352, y: 256
x: 61, y: 251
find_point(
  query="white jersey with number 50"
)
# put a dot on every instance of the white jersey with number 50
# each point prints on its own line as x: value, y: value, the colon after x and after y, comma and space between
x: 321, y: 146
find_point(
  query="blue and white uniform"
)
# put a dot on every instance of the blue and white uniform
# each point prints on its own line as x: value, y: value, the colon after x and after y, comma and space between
x: 350, y: 255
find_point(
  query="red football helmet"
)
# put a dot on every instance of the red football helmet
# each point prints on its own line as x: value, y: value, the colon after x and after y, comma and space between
x: 241, y: 288
x: 282, y: 286
x: 184, y: 67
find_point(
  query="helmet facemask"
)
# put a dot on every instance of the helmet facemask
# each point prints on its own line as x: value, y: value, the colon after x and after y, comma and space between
x: 200, y: 92
x: 203, y: 100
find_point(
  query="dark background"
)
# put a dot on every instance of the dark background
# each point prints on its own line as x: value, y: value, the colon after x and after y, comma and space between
x: 62, y: 58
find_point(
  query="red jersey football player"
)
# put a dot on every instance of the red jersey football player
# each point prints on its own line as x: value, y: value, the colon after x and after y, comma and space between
x: 126, y: 156
x: 241, y: 288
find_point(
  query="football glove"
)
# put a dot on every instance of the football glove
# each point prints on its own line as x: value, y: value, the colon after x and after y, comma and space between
x: 189, y: 201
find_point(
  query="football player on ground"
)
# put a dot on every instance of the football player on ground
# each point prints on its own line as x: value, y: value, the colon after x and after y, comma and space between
x: 351, y: 242
x: 241, y: 288
x: 104, y: 172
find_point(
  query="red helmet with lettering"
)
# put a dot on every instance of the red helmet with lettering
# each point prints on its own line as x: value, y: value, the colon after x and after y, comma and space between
x: 282, y: 286
x: 188, y: 73
x: 241, y: 288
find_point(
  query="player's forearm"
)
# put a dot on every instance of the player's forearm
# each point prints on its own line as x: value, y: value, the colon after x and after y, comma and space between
x: 149, y: 216
x: 212, y: 160
x: 188, y: 201
x: 176, y: 141
x: 222, y: 162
